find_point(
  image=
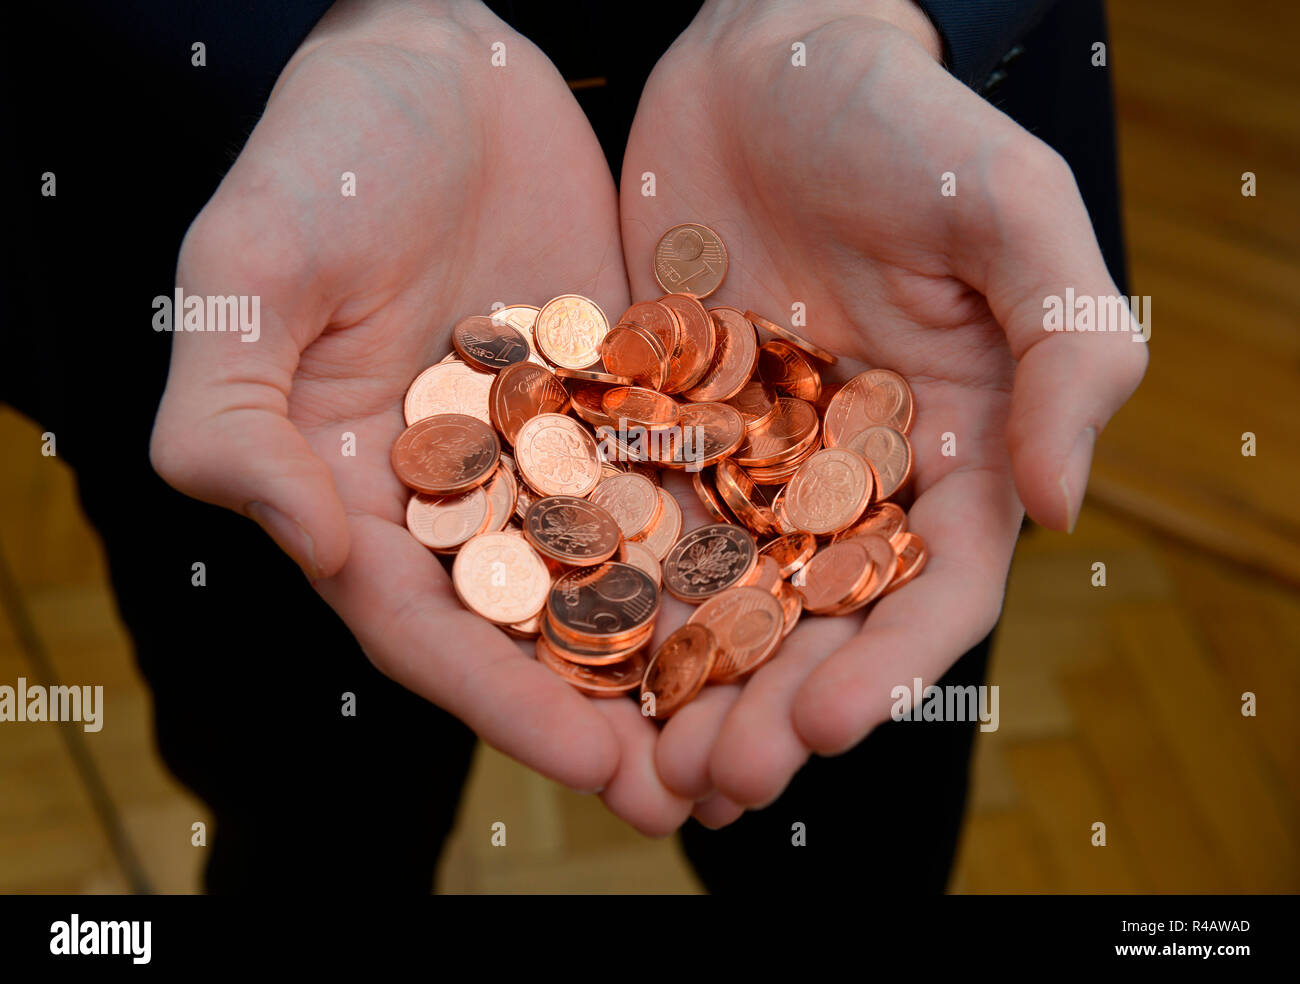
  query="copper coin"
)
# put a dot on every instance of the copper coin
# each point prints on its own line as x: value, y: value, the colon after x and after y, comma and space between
x: 679, y: 669
x: 525, y: 495
x: 523, y: 317
x: 449, y: 387
x: 635, y: 352
x: 667, y: 528
x: 833, y: 576
x: 885, y: 519
x: 743, y: 498
x: 649, y: 471
x: 791, y: 429
x: 829, y: 492
x: 698, y: 337
x: 571, y: 530
x: 500, y: 577
x: 783, y: 471
x: 527, y: 629
x: 661, y: 321
x: 592, y: 376
x: 884, y: 563
x: 444, y: 522
x: 756, y: 402
x: 766, y: 575
x: 708, y: 560
x: 786, y: 335
x: 735, y: 353
x: 705, y: 433
x: 520, y: 392
x: 627, y: 443
x: 876, y: 396
x: 791, y: 606
x: 639, y: 407
x: 611, y: 601
x: 445, y: 454
x: 828, y: 393
x: 502, y: 492
x: 556, y: 456
x: 586, y: 399
x: 690, y: 259
x: 707, y: 492
x: 581, y: 649
x: 912, y: 556
x: 789, y: 371
x: 790, y: 551
x: 890, y: 454
x: 642, y: 558
x: 488, y: 344
x: 748, y: 623
x: 778, y: 510
x: 632, y: 500
x: 611, y: 680
x: 569, y: 330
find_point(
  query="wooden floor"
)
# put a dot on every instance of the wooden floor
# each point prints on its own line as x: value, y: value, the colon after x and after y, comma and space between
x: 1119, y: 704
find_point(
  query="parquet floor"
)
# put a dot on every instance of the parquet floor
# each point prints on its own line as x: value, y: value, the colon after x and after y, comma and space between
x: 1119, y: 704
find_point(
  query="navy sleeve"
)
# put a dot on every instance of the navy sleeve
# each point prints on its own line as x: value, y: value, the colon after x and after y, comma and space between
x: 978, y: 34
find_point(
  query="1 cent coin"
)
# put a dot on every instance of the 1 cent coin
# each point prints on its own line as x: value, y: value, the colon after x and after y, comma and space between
x: 679, y: 669
x: 690, y: 259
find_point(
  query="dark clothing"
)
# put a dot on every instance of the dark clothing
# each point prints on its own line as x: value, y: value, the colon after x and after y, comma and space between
x: 248, y: 672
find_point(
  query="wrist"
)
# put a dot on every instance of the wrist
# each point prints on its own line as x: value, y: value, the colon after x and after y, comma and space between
x: 718, y: 18
x: 907, y: 16
x: 420, y: 26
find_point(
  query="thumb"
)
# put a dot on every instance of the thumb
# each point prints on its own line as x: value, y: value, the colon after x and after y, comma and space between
x: 1080, y: 353
x: 223, y: 434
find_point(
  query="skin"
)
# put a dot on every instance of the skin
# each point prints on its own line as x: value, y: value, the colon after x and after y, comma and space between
x: 478, y: 184
x: 824, y: 181
x: 463, y: 199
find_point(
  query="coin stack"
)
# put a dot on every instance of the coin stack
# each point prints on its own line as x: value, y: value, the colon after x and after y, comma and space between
x: 570, y: 538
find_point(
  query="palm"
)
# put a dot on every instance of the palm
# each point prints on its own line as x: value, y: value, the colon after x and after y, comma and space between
x: 474, y: 184
x: 779, y: 179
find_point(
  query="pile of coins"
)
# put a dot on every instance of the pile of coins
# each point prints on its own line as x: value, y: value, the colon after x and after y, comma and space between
x: 570, y: 538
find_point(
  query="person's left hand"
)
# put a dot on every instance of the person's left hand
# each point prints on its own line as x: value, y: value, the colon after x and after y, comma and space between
x: 824, y: 181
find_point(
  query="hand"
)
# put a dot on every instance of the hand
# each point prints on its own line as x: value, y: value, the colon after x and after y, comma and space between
x: 824, y: 181
x: 474, y: 184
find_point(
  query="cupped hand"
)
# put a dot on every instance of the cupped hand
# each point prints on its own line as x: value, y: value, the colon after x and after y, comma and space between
x: 827, y: 182
x: 474, y: 183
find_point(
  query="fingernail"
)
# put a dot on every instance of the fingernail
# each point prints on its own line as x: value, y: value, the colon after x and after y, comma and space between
x: 1075, y: 475
x: 291, y: 537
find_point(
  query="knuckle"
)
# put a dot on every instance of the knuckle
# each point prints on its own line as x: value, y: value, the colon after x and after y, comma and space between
x: 1028, y: 176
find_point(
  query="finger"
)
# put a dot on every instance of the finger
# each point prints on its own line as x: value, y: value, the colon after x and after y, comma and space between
x: 717, y: 811
x: 758, y: 750
x: 396, y: 598
x: 686, y: 741
x: 969, y: 521
x: 223, y: 434
x: 1068, y: 384
x: 635, y: 792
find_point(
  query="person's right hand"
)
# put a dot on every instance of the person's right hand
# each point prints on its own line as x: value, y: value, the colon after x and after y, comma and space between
x: 474, y: 183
